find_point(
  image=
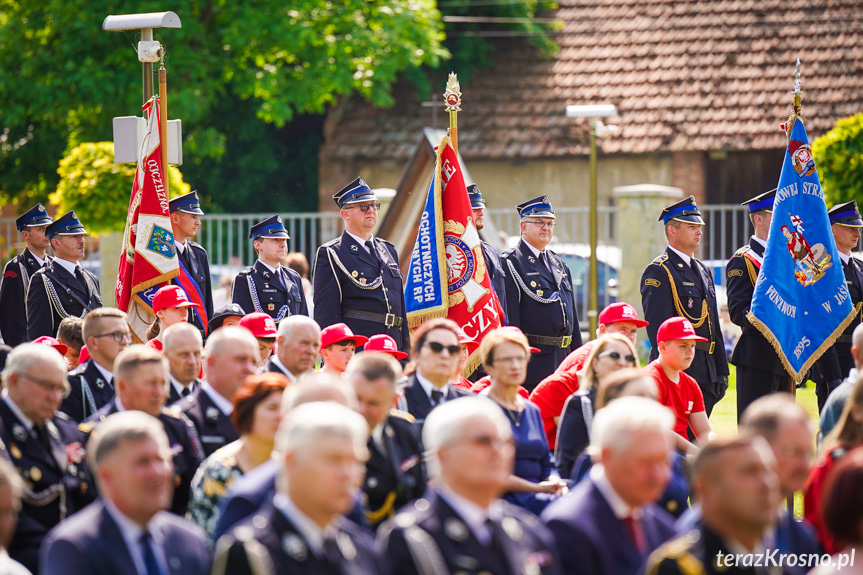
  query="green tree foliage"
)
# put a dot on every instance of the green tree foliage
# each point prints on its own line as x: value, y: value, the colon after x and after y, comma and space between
x: 839, y: 156
x: 98, y: 189
x: 62, y: 78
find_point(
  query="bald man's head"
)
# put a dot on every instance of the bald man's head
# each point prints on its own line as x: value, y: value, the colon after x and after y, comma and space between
x: 857, y: 346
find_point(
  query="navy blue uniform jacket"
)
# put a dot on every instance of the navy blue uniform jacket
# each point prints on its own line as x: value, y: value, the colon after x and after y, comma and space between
x: 519, y: 542
x: 91, y: 543
x: 88, y: 392
x: 49, y: 478
x: 197, y: 263
x: 532, y: 307
x: 257, y: 289
x: 413, y: 399
x: 54, y: 294
x: 13, y: 297
x: 591, y: 539
x: 694, y: 293
x: 349, y: 277
x: 214, y: 428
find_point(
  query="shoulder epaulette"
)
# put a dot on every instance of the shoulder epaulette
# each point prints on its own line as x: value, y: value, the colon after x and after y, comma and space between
x: 742, y: 250
x: 330, y: 243
x: 660, y: 259
x: 63, y: 416
x: 87, y: 426
x: 402, y: 415
x: 196, y: 245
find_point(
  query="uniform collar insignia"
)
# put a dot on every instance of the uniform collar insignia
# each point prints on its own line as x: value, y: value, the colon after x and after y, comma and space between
x: 455, y: 530
x: 295, y: 547
x: 212, y: 413
x: 354, y: 248
x: 19, y: 432
x: 100, y: 383
x: 531, y: 259
x: 512, y: 528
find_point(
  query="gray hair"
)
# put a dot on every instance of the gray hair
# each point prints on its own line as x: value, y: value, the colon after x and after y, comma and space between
x: 306, y: 424
x: 287, y: 325
x: 624, y: 420
x: 32, y: 355
x: 227, y: 336
x: 10, y: 477
x: 374, y: 366
x: 446, y: 424
x: 764, y: 416
x: 318, y: 386
x: 120, y: 427
x: 178, y: 330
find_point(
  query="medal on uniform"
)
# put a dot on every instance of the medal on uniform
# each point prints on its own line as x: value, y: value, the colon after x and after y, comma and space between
x: 533, y: 284
x: 271, y: 306
x: 689, y: 303
x: 19, y: 432
x: 363, y: 281
x: 294, y: 547
x: 14, y: 451
x: 35, y: 474
x: 212, y: 413
x: 539, y: 292
x: 354, y: 273
x: 455, y: 530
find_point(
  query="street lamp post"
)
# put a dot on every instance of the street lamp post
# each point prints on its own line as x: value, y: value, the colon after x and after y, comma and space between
x: 597, y: 129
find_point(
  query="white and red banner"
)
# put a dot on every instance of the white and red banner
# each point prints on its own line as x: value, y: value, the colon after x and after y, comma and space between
x: 149, y: 258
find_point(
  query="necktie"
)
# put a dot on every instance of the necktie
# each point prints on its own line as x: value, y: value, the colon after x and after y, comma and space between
x: 186, y: 390
x: 79, y: 275
x: 371, y: 245
x: 436, y: 397
x: 332, y: 554
x: 42, y: 436
x: 694, y: 265
x: 151, y: 566
x: 633, y: 527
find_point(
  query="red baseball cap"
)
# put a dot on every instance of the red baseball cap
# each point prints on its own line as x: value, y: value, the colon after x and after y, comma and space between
x: 620, y: 311
x: 384, y: 344
x: 84, y: 354
x: 260, y: 324
x: 339, y: 332
x: 171, y: 296
x: 53, y: 342
x: 677, y: 328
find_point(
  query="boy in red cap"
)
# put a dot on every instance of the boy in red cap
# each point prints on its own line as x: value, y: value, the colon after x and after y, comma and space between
x: 552, y: 392
x: 338, y: 344
x: 382, y: 343
x: 677, y: 390
x: 169, y: 305
x: 263, y: 327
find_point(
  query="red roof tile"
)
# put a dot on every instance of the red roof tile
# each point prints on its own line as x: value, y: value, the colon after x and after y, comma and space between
x: 684, y: 75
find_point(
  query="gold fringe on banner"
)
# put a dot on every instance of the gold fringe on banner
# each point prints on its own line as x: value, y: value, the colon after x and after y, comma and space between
x: 816, y: 355
x: 415, y: 319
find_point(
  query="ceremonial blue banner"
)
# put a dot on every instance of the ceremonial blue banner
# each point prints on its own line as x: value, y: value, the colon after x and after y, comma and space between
x: 426, y: 282
x: 801, y: 302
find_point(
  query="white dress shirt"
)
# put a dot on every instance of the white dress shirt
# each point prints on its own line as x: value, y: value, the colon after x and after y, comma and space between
x: 223, y: 403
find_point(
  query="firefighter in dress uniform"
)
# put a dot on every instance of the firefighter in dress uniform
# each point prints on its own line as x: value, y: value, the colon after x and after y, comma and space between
x: 759, y: 369
x: 357, y: 277
x: 678, y: 284
x: 62, y: 287
x: 540, y: 299
x: 195, y: 263
x: 267, y: 286
x: 18, y: 271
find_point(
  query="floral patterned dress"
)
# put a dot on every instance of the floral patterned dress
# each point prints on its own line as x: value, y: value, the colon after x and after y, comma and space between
x: 212, y: 480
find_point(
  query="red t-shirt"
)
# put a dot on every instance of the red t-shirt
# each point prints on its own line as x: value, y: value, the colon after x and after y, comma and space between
x: 462, y: 382
x: 683, y: 398
x: 155, y: 344
x: 813, y: 496
x: 550, y: 396
x: 575, y: 360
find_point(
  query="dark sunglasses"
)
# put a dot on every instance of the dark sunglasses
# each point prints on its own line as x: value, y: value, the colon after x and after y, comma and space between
x: 439, y: 347
x: 364, y: 208
x: 616, y: 356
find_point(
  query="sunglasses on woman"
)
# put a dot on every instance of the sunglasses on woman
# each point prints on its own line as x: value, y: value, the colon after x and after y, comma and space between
x: 438, y: 347
x: 615, y: 356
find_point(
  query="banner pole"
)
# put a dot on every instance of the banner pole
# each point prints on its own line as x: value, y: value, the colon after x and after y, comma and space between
x: 163, y: 120
x: 452, y: 97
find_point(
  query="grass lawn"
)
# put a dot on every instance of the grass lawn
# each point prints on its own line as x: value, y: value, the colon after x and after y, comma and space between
x: 724, y: 417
